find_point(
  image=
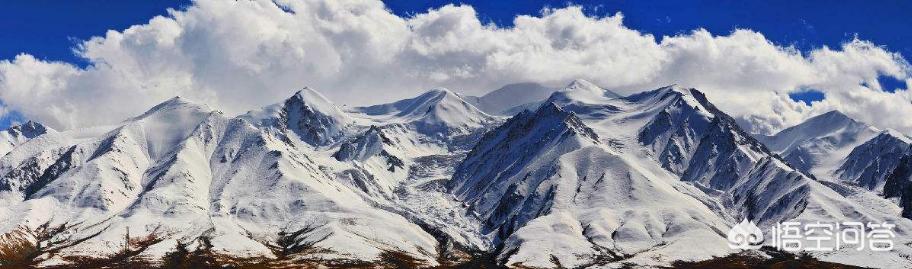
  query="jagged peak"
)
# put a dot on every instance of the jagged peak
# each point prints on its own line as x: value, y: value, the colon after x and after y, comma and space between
x: 309, y: 98
x: 546, y: 109
x: 29, y: 124
x: 550, y: 110
x: 313, y: 98
x: 308, y: 114
x: 376, y: 131
x: 674, y: 99
x: 29, y: 129
x: 373, y: 129
x: 548, y: 124
x: 675, y: 96
x: 305, y: 100
x: 365, y: 145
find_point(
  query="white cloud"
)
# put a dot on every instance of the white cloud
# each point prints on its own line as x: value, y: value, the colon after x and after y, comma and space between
x: 239, y: 55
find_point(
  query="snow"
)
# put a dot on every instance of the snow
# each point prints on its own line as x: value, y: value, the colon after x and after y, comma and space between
x: 820, y: 144
x: 870, y: 163
x: 581, y: 93
x: 435, y: 112
x: 852, y: 162
x: 584, y: 178
x: 307, y: 114
x: 543, y: 183
x: 19, y: 134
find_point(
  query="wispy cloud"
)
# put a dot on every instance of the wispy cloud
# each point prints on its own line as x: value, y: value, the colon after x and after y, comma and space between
x: 238, y: 55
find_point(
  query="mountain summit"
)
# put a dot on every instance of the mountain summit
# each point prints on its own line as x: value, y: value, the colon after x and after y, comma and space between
x: 437, y: 111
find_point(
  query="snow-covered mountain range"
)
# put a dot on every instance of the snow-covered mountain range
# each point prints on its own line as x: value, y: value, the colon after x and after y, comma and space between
x: 580, y: 177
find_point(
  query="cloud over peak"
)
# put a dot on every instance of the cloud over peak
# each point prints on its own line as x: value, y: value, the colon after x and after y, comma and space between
x: 239, y: 55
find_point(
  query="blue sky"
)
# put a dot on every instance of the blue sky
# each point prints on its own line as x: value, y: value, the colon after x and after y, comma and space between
x: 49, y: 29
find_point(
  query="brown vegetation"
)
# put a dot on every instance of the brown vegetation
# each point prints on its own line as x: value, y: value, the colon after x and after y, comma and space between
x: 779, y: 259
x: 27, y: 247
x: 129, y: 256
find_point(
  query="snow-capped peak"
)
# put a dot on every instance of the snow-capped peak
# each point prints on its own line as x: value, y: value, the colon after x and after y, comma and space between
x: 820, y: 143
x: 418, y: 106
x: 367, y: 145
x: 176, y: 105
x: 29, y: 129
x: 549, y: 131
x: 550, y: 110
x: 582, y: 91
x: 833, y: 116
x: 434, y: 111
x: 166, y: 125
x: 870, y: 163
x: 16, y: 135
x: 827, y: 124
x: 317, y: 101
x: 829, y: 121
x: 306, y: 114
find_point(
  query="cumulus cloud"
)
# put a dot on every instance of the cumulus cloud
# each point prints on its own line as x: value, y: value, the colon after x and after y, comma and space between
x: 239, y: 55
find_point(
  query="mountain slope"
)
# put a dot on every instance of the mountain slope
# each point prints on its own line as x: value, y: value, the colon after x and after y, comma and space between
x: 688, y: 136
x: 692, y: 139
x: 543, y: 183
x: 198, y: 173
x: 585, y: 179
x: 819, y: 145
x: 869, y: 164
